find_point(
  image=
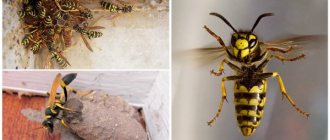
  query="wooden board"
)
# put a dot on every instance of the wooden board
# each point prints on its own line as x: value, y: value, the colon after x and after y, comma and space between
x: 15, y: 126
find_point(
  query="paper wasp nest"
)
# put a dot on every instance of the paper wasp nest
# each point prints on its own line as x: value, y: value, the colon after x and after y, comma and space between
x: 100, y: 116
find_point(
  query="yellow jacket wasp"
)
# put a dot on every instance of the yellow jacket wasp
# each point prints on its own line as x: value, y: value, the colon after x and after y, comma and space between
x: 56, y: 105
x: 248, y: 56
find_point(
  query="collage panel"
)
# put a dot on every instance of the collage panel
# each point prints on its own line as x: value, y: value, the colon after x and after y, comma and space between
x: 164, y: 70
x: 91, y: 105
x: 86, y: 34
x: 226, y: 87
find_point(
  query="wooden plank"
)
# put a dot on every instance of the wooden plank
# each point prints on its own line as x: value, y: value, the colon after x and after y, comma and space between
x: 16, y: 126
x: 157, y: 108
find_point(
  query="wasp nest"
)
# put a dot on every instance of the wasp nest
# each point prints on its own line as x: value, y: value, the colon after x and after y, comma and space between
x: 48, y: 24
x: 100, y: 116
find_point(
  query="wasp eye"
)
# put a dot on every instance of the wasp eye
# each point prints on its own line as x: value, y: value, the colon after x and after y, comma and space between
x: 252, y: 43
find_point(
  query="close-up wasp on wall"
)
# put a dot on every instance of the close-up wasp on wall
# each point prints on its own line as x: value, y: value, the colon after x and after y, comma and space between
x: 248, y: 57
x: 61, y: 21
x: 49, y: 24
x: 117, y: 8
x: 55, y: 103
x: 114, y: 8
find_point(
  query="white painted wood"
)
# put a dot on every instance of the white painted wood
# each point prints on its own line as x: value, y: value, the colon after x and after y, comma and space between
x: 133, y: 86
x: 157, y: 108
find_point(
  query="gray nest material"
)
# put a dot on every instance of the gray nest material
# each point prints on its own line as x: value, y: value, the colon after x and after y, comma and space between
x: 100, y: 116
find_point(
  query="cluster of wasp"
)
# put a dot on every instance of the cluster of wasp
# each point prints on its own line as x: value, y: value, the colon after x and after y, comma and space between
x: 50, y: 24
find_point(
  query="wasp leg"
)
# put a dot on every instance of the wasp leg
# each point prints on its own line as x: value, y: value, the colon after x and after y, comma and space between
x: 231, y: 65
x: 264, y: 63
x: 70, y: 89
x: 282, y: 58
x: 64, y: 108
x: 64, y: 92
x: 284, y: 93
x: 223, y: 97
x: 218, y: 38
x: 63, y: 122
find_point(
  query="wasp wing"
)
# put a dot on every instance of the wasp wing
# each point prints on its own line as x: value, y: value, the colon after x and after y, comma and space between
x: 97, y: 19
x: 293, y: 45
x: 52, y: 93
x: 86, y: 43
x: 66, y: 60
x: 201, y: 56
x: 95, y: 27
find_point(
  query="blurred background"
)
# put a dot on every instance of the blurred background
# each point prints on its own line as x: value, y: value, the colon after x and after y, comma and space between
x: 196, y: 93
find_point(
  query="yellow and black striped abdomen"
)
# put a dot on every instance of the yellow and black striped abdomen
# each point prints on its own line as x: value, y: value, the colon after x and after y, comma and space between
x: 250, y: 98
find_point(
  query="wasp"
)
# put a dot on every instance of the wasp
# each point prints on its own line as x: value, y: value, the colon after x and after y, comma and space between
x: 29, y: 36
x: 56, y: 105
x: 28, y: 8
x: 70, y: 5
x: 87, y: 14
x: 90, y: 34
x: 21, y: 14
x: 248, y: 56
x: 26, y: 40
x: 41, y: 9
x: 60, y: 59
x: 33, y: 13
x: 54, y: 54
x: 126, y: 9
x: 35, y: 47
x: 115, y: 8
x: 67, y: 6
x: 79, y: 29
x: 50, y: 31
x: 58, y: 15
x: 94, y: 34
x: 83, y: 32
x: 48, y: 21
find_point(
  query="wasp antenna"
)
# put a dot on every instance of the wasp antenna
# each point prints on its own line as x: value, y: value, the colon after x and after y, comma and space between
x: 259, y: 18
x: 225, y: 20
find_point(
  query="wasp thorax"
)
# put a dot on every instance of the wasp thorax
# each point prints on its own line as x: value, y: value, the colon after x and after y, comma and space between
x: 243, y: 44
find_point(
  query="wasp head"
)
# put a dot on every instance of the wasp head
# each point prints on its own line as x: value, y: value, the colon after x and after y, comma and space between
x: 127, y: 9
x: 243, y: 43
x: 48, y: 124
